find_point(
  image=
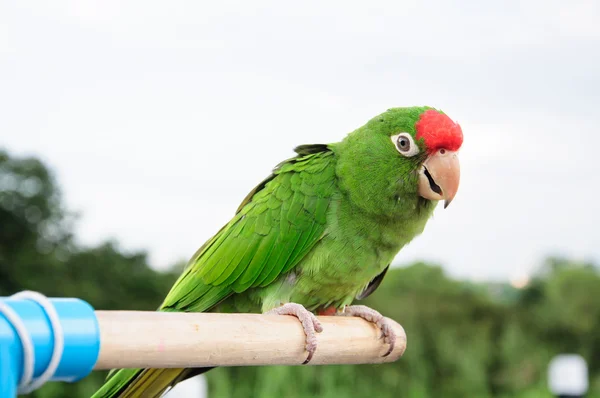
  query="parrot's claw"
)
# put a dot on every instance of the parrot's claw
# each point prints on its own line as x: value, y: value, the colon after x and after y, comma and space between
x: 387, y: 332
x: 309, y: 321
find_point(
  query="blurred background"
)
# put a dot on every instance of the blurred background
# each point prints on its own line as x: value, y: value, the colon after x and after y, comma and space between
x: 130, y: 131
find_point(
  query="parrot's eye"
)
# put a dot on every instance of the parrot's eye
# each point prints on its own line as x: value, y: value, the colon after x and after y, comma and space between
x: 405, y: 144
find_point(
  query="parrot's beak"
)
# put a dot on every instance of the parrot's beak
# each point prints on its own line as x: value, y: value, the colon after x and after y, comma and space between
x: 439, y: 176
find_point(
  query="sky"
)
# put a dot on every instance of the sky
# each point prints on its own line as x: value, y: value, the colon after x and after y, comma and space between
x: 158, y: 117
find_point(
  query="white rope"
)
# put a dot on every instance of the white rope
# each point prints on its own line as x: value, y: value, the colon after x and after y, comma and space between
x: 27, y: 383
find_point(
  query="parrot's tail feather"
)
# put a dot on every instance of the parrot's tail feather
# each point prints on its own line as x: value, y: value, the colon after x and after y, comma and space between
x: 144, y: 383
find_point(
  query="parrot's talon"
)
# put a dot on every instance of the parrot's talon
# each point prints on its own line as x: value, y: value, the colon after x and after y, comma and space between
x: 392, y: 345
x: 368, y: 314
x: 308, y: 358
x: 309, y: 321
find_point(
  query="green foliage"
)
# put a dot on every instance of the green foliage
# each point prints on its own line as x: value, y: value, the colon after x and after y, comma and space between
x: 464, y: 339
x: 34, y: 226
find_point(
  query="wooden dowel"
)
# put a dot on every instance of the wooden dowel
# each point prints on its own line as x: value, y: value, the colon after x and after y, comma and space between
x: 137, y: 339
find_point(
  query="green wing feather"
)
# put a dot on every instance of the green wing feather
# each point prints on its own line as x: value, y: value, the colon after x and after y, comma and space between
x: 272, y: 230
x: 275, y: 226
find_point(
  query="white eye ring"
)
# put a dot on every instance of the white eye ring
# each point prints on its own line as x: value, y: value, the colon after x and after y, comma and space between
x: 405, y: 144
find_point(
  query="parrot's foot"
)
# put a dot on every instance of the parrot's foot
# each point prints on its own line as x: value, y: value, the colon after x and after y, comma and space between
x: 309, y: 322
x: 387, y: 332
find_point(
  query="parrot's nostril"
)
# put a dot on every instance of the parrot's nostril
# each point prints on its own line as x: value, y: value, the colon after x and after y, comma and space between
x: 434, y: 187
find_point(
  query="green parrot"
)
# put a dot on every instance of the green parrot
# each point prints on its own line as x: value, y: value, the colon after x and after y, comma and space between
x: 318, y: 233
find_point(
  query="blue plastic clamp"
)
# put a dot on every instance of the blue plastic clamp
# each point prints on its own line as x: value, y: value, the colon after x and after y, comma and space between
x: 81, y: 341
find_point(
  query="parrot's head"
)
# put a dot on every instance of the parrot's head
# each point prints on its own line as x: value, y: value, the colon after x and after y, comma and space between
x: 402, y: 158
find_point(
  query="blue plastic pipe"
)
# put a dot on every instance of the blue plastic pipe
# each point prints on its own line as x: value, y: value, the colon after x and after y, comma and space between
x: 81, y: 341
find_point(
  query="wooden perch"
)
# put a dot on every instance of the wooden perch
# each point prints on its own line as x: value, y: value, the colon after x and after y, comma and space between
x: 134, y: 339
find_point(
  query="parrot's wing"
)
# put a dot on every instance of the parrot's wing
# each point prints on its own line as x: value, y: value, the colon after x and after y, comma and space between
x: 372, y: 285
x: 274, y: 228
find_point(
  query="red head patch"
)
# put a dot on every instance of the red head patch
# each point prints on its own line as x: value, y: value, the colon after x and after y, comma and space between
x: 439, y: 131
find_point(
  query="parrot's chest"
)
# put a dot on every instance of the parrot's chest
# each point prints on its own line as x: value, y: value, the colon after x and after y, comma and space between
x: 348, y: 257
x: 334, y: 278
x: 353, y: 250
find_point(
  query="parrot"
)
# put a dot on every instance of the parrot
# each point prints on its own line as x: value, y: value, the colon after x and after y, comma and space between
x: 318, y: 233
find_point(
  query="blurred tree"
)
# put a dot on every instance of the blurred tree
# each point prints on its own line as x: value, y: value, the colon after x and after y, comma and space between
x: 35, y: 228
